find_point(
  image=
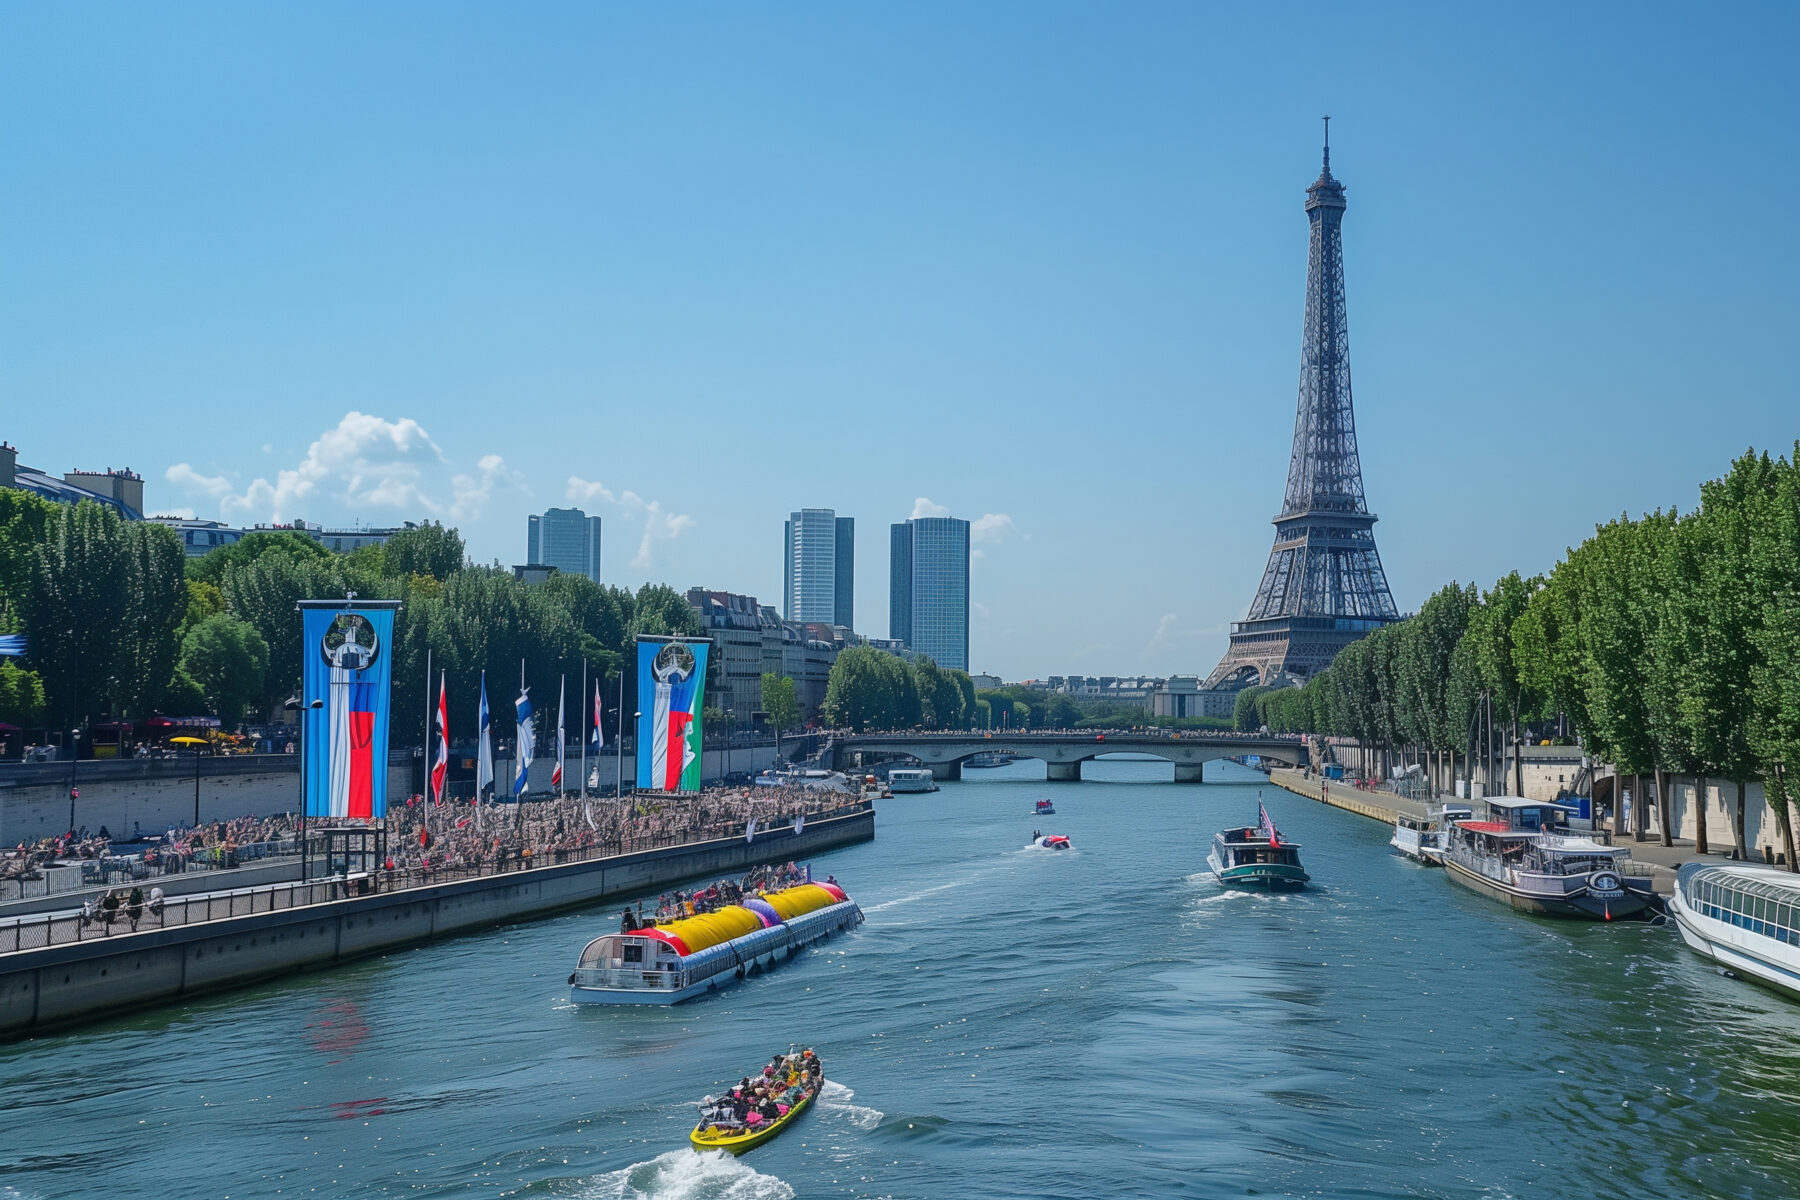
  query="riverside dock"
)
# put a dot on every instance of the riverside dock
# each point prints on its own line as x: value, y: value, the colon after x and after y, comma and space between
x: 56, y: 972
x: 1653, y: 858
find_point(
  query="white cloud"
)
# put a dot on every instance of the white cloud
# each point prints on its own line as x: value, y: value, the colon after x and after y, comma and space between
x: 470, y: 493
x: 183, y: 475
x: 364, y: 460
x: 1164, y: 628
x: 993, y: 527
x: 923, y: 507
x: 660, y: 524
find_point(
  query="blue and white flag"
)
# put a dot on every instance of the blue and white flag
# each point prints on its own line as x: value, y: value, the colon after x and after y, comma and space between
x: 523, y: 705
x: 484, y: 762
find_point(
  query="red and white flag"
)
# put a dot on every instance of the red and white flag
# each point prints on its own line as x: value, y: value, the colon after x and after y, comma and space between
x: 440, y: 769
x: 599, y: 740
x: 556, y: 775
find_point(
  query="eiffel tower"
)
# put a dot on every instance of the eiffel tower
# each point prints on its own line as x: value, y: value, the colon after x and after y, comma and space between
x: 1324, y: 586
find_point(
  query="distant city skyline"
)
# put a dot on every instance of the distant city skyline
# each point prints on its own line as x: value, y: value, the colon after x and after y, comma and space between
x: 819, y: 567
x: 883, y: 261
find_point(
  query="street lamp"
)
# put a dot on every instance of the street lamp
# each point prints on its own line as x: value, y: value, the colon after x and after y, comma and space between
x: 74, y: 753
x: 295, y: 706
x: 730, y: 733
x: 635, y: 718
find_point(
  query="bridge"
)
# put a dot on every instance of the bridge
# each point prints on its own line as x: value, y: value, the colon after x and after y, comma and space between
x: 1062, y: 752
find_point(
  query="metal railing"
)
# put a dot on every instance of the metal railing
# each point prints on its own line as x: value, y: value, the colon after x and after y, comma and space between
x: 97, y: 922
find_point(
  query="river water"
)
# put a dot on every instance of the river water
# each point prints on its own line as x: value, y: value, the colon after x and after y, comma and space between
x: 1010, y: 1022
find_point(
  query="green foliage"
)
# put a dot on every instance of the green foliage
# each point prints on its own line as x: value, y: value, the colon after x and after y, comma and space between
x: 781, y: 700
x: 253, y: 546
x: 429, y: 549
x: 871, y: 689
x: 661, y: 610
x: 21, y: 695
x: 1244, y: 715
x: 25, y: 519
x: 227, y: 660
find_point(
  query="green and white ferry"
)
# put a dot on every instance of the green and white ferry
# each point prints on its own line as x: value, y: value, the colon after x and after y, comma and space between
x: 1257, y: 857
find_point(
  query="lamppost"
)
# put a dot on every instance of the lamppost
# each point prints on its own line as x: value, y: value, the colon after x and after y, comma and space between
x: 635, y: 718
x: 299, y: 709
x: 74, y: 753
x: 730, y: 734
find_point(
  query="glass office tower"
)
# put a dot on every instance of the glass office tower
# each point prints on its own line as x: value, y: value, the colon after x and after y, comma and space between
x: 819, y: 567
x: 928, y: 588
x: 567, y: 539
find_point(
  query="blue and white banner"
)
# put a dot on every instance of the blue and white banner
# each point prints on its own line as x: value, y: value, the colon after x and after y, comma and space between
x: 522, y: 707
x: 347, y: 668
x: 484, y: 762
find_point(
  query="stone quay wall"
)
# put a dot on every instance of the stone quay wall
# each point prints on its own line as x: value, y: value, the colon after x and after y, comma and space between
x: 64, y: 985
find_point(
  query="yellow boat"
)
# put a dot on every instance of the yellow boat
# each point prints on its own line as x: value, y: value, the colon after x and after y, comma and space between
x: 705, y: 1137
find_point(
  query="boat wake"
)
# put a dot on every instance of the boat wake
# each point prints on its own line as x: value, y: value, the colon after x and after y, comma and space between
x: 835, y: 1098
x: 887, y: 904
x: 686, y: 1175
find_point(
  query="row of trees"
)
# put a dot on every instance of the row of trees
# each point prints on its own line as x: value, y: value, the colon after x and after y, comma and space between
x: 1669, y: 643
x: 872, y: 689
x: 120, y: 624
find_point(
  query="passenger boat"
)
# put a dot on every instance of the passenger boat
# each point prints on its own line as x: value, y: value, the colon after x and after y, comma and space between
x: 1524, y: 854
x: 911, y: 779
x: 733, y: 1137
x: 1742, y: 917
x: 1052, y: 841
x: 1257, y: 857
x: 1422, y: 838
x: 872, y: 789
x: 1045, y: 809
x: 990, y: 758
x: 673, y: 961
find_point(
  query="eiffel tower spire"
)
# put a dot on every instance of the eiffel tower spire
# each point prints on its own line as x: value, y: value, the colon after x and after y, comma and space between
x: 1324, y: 586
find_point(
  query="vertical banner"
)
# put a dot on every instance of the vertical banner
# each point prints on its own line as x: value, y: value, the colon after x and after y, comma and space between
x: 671, y: 680
x: 346, y: 652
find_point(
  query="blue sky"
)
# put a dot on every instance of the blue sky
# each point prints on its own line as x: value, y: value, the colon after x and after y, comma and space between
x: 694, y: 266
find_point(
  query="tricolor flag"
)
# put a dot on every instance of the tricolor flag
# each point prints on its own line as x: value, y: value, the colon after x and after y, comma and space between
x: 353, y: 704
x: 522, y: 709
x: 556, y: 775
x: 440, y: 770
x: 1265, y: 825
x: 484, y: 761
x: 598, y: 740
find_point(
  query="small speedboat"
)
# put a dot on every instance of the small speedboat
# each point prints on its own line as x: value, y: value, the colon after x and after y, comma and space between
x: 1045, y: 808
x: 721, y: 1129
x: 1052, y: 841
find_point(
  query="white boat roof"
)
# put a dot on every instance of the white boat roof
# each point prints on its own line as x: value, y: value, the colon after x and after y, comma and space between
x: 1581, y: 845
x: 1771, y: 883
x: 1521, y: 802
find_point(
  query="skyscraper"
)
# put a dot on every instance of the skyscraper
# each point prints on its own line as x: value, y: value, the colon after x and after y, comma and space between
x: 567, y: 539
x: 1324, y: 586
x: 928, y: 588
x: 819, y: 567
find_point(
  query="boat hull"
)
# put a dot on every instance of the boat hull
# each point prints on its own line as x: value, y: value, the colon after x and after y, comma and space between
x: 754, y: 1138
x: 1714, y: 939
x: 1581, y: 906
x: 1261, y: 877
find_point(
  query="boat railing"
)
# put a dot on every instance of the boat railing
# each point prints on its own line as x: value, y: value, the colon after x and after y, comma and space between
x: 617, y: 977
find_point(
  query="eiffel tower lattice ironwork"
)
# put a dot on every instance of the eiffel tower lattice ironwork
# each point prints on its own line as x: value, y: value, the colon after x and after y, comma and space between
x: 1324, y: 586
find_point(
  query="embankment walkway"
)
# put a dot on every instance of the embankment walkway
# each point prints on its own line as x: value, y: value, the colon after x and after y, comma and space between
x: 57, y: 970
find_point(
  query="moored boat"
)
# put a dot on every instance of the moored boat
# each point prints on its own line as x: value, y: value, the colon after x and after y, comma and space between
x: 1422, y: 838
x: 911, y: 779
x: 1523, y: 854
x: 673, y: 961
x: 1742, y: 917
x: 737, y: 1122
x: 1257, y: 857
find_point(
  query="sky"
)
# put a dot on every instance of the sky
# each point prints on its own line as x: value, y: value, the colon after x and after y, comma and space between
x: 1038, y: 265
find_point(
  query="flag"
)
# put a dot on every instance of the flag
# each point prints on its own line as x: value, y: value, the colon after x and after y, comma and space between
x: 597, y: 739
x: 522, y: 709
x: 557, y: 774
x: 440, y: 770
x: 1265, y: 825
x: 750, y: 830
x: 484, y: 762
x: 799, y: 822
x: 346, y: 736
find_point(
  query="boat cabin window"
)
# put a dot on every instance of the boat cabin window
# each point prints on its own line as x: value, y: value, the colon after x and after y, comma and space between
x: 634, y: 952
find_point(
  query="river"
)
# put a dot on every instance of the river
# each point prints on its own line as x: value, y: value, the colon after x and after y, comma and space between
x: 1009, y: 1022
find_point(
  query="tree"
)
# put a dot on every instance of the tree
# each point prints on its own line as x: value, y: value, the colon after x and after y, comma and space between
x: 25, y: 519
x: 148, y: 643
x: 427, y: 549
x: 227, y: 660
x: 291, y: 544
x: 77, y: 602
x: 21, y: 695
x: 780, y: 699
x: 1244, y: 717
x: 660, y: 609
x: 940, y: 697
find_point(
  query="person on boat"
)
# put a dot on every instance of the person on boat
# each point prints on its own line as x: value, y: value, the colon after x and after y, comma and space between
x: 627, y: 922
x: 768, y: 1109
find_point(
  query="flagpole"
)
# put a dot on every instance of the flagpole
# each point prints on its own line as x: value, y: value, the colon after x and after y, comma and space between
x: 425, y: 737
x: 619, y: 751
x: 584, y: 729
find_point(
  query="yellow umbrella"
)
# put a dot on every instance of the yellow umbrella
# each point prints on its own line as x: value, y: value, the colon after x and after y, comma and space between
x: 190, y: 741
